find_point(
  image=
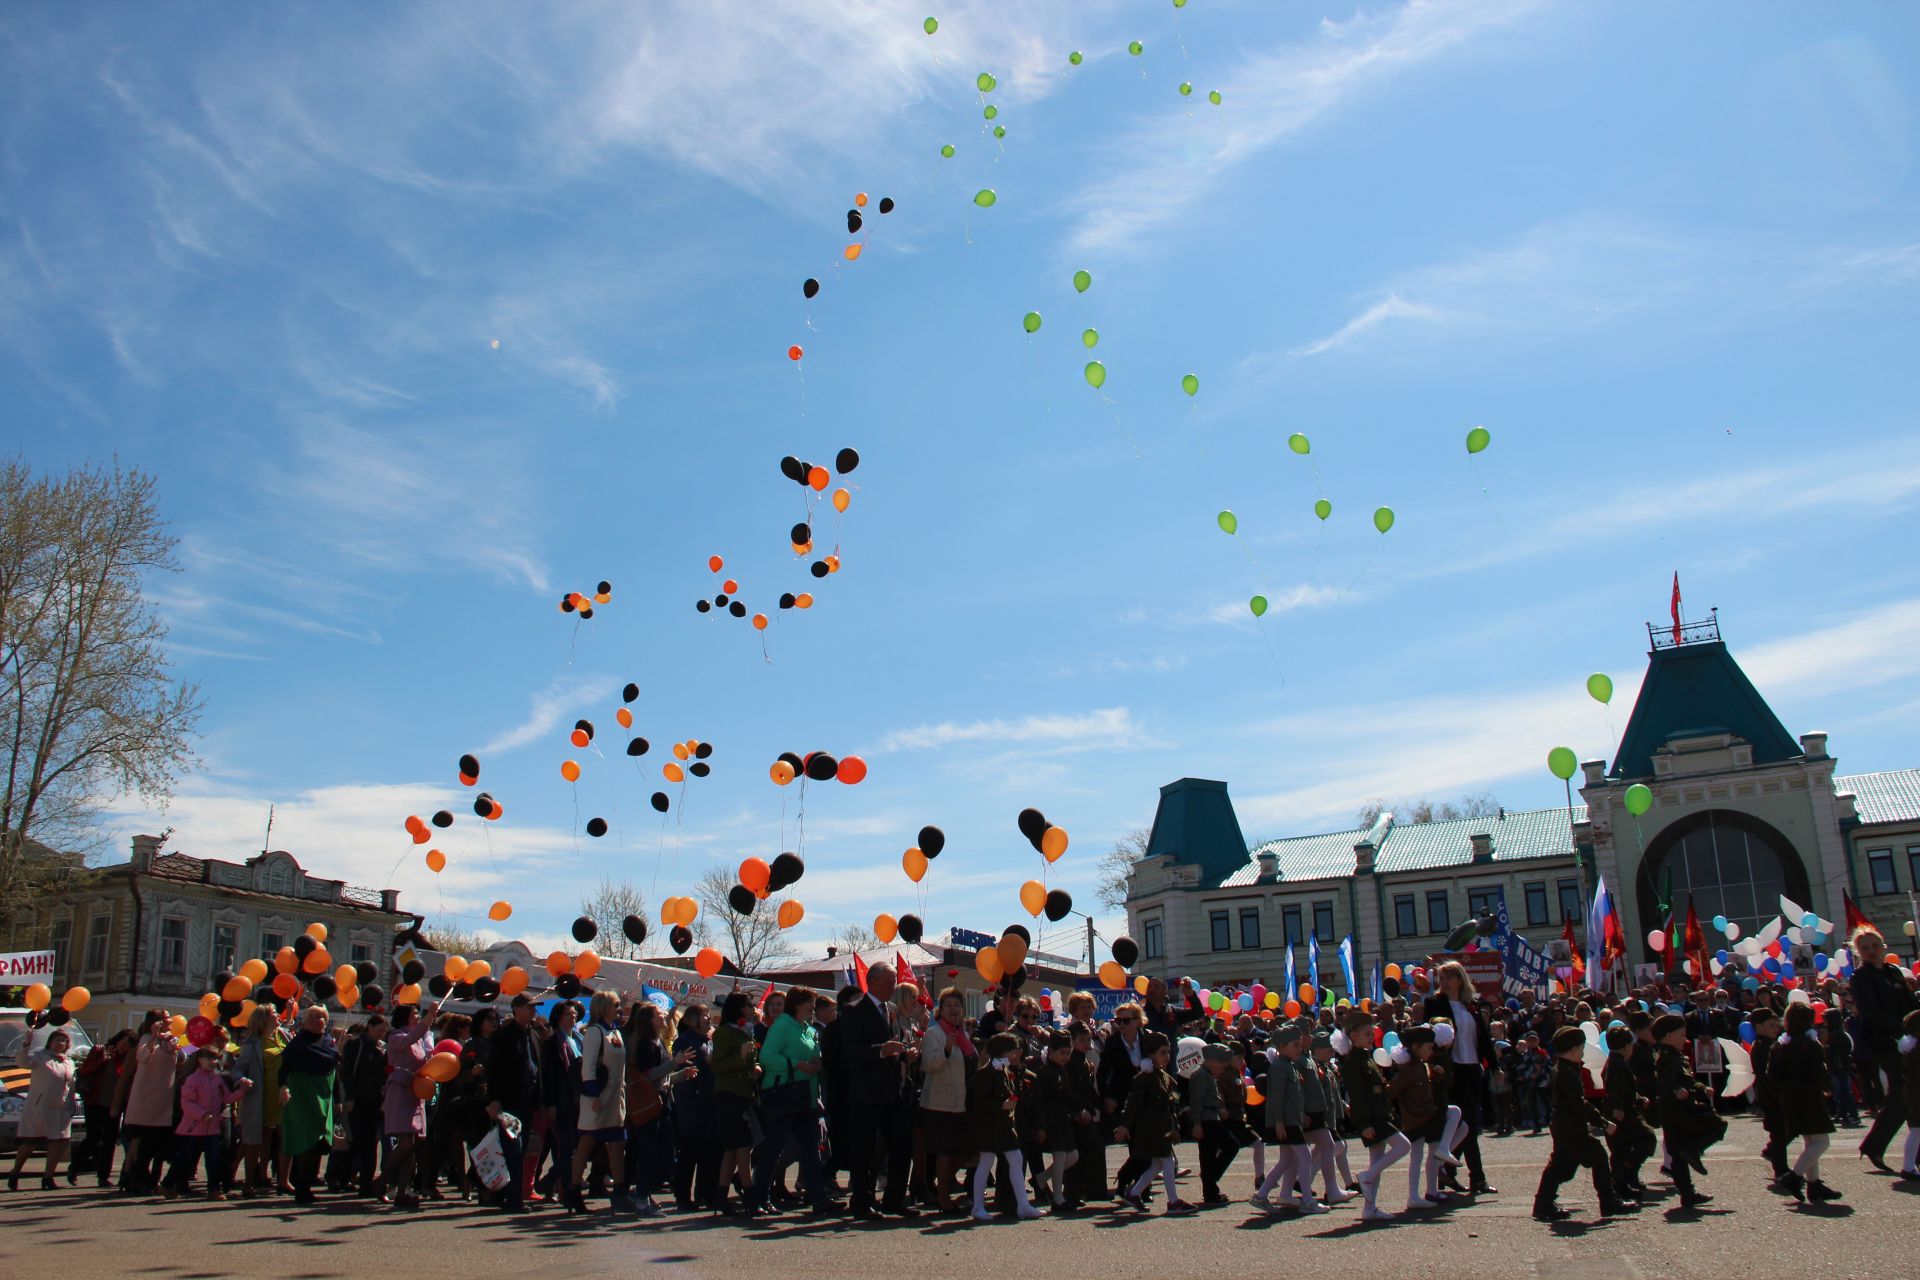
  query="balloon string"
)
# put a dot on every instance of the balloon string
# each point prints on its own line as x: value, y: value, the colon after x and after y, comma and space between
x: 1363, y: 570
x: 1475, y: 468
x: 1115, y: 408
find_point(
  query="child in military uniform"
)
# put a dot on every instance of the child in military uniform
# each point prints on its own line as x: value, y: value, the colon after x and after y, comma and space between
x: 1371, y: 1114
x: 1055, y: 1106
x: 1573, y: 1142
x: 1410, y: 1088
x: 1150, y: 1124
x: 1207, y: 1114
x: 1799, y: 1072
x: 1687, y: 1118
x: 1287, y: 1116
x: 1766, y: 1026
x: 1630, y: 1139
x: 996, y: 1135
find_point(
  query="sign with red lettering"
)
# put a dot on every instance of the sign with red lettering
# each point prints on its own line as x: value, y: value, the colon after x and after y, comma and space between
x: 17, y: 968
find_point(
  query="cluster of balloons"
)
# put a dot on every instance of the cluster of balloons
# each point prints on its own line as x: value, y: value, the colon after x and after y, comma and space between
x: 1005, y: 963
x: 914, y: 861
x: 908, y: 928
x: 817, y: 766
x: 1047, y: 840
x: 43, y: 1012
x: 1113, y: 973
x: 581, y: 603
x: 760, y: 879
x: 1057, y: 904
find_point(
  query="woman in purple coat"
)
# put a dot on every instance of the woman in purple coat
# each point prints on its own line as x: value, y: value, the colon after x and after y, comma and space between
x: 404, y: 1112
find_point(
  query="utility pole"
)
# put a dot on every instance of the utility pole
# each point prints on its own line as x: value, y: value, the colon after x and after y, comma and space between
x: 266, y: 845
x: 1091, y: 967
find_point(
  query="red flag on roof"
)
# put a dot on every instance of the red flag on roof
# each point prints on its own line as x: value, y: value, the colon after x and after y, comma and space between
x: 1856, y: 918
x: 860, y: 971
x: 1676, y: 606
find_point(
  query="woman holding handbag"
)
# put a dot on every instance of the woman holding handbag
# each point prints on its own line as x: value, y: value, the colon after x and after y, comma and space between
x: 790, y: 1102
x: 650, y: 1075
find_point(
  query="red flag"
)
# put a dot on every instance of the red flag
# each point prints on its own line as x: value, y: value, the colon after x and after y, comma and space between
x: 902, y: 971
x: 1856, y: 918
x: 1573, y: 949
x: 1676, y: 606
x: 860, y: 971
x: 1614, y: 945
x: 1696, y: 947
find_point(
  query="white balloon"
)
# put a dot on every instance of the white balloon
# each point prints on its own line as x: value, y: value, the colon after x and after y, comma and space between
x: 1187, y: 1058
x: 1733, y: 931
x: 1382, y: 1058
x: 1657, y: 939
x: 1799, y: 996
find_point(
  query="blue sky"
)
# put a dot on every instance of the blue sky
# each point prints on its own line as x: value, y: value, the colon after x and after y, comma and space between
x: 1667, y: 257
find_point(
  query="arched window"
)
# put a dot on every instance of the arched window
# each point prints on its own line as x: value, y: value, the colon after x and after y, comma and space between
x: 1726, y: 864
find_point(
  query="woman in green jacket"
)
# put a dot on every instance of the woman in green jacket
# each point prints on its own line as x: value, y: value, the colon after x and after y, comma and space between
x: 306, y: 1091
x: 790, y: 1101
x: 736, y: 1070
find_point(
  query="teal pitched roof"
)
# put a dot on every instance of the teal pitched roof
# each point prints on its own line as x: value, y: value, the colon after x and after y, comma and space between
x: 1195, y: 824
x: 1891, y: 796
x: 1695, y: 689
x: 1303, y: 858
x: 1400, y: 847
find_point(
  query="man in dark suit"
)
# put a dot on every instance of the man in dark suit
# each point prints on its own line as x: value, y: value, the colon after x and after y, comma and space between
x: 1121, y: 1058
x: 513, y: 1085
x: 877, y: 1106
x: 1881, y: 1000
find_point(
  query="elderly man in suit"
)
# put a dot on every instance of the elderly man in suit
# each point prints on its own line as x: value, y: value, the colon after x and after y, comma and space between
x: 879, y: 1108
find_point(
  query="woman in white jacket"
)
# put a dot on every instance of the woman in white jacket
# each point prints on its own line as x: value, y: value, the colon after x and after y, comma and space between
x: 603, y: 1101
x: 946, y: 1060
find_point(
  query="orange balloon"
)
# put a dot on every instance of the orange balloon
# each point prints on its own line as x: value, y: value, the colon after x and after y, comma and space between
x: 422, y: 835
x: 1306, y: 993
x: 409, y: 994
x: 1053, y: 843
x: 853, y: 770
x: 861, y: 200
x: 781, y: 773
x: 513, y: 981
x: 602, y: 597
x: 436, y: 860
x: 414, y: 825
x: 795, y: 352
x: 1112, y: 976
x: 496, y: 813
x: 731, y: 587
x: 715, y: 564
x: 585, y: 965
x: 246, y: 1011
x: 455, y: 968
x: 558, y: 963
x: 841, y: 499
x: 680, y: 751
x: 1033, y: 896
x: 914, y: 863
x: 689, y: 912
x: 286, y: 986
x: 286, y: 960
x: 1140, y: 984
x: 423, y: 1087
x: 210, y: 1002
x: 255, y: 969
x: 1255, y: 1097
x: 833, y: 564
x: 1291, y: 1008
x: 499, y: 911
x: 817, y: 479
x: 791, y: 913
x: 708, y: 962
x: 346, y: 976
x: 624, y: 717
x: 347, y: 996
x: 317, y: 931
x: 570, y: 770
x: 885, y: 927
x: 440, y: 1067
x: 76, y: 999
x: 759, y: 622
x: 755, y: 873
x: 579, y: 738
x: 317, y: 961
x: 478, y: 969
x: 1391, y: 971
x: 673, y: 772
x: 803, y: 548
x: 804, y: 600
x: 987, y: 961
x: 853, y: 253
x: 1013, y: 951
x: 178, y: 1024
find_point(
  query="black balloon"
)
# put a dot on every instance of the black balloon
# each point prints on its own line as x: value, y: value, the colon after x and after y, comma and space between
x: 820, y: 569
x: 822, y: 767
x: 487, y: 990
x: 801, y: 534
x: 1059, y: 905
x: 586, y: 727
x: 1391, y: 986
x: 932, y: 841
x: 1033, y: 824
x: 482, y: 805
x: 787, y: 870
x: 703, y: 605
x: 1461, y: 936
x: 701, y: 750
x: 1020, y: 929
x: 629, y: 693
x: 635, y: 928
x: 364, y: 972
x: 596, y: 827
x: 846, y: 460
x: 1125, y: 952
x: 228, y: 1010
x: 886, y: 204
x: 636, y: 746
x: 720, y: 601
x: 584, y: 929
x: 566, y: 986
x: 737, y: 609
x: 794, y: 762
x: 470, y: 766
x: 793, y: 469
x: 443, y: 819
x: 605, y: 588
x: 810, y: 289
x: 1015, y: 980
x: 699, y: 768
x: 302, y: 946
x: 853, y: 222
x: 413, y: 971
x: 741, y: 899
x: 786, y: 599
x: 566, y: 606
x: 222, y: 978
x: 587, y: 612
x: 660, y: 801
x: 680, y: 938
x: 58, y: 1017
x: 324, y: 987
x: 911, y: 929
x: 440, y: 985
x: 371, y: 995
x: 463, y: 991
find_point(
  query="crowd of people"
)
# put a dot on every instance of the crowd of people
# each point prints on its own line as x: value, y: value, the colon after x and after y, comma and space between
x: 879, y: 1103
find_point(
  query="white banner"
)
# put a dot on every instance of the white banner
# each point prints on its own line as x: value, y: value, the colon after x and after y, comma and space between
x: 18, y: 968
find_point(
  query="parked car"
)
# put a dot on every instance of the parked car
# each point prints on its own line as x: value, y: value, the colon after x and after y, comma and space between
x: 14, y: 1077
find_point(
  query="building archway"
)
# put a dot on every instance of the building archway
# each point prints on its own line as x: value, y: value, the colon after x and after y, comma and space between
x: 1726, y: 863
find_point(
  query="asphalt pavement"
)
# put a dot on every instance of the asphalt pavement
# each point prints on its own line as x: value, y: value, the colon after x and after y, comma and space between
x: 1747, y: 1230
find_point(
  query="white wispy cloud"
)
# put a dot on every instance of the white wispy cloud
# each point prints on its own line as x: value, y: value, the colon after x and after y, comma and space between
x: 1110, y: 727
x: 1274, y: 96
x: 1301, y: 596
x: 561, y: 701
x: 1391, y: 307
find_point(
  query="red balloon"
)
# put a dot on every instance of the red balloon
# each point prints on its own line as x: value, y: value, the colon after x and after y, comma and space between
x: 852, y: 769
x: 447, y: 1046
x: 794, y: 353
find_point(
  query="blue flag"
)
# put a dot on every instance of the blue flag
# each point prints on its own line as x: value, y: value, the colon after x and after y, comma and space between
x: 1379, y: 991
x: 1313, y: 961
x: 1346, y: 967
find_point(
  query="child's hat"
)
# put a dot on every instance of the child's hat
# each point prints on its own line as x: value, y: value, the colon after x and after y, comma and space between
x: 1287, y: 1033
x: 1572, y: 1038
x: 1216, y: 1053
x: 1666, y: 1024
x: 1417, y: 1035
x: 1763, y: 1015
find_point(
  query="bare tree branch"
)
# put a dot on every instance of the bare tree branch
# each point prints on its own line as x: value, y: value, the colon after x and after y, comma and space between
x: 609, y: 907
x: 1116, y: 864
x: 752, y: 942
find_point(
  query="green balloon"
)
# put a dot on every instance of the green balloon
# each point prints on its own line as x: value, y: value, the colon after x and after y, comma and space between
x: 1075, y: 58
x: 984, y: 197
x: 1213, y: 96
x: 1323, y: 508
x: 1639, y: 799
x: 1096, y: 374
x: 1190, y: 385
x: 1383, y: 518
x: 1179, y: 4
x: 1090, y: 339
x: 1478, y: 439
x: 999, y: 131
x: 1082, y: 281
x: 1136, y: 48
x: 991, y: 112
x: 1600, y: 687
x: 931, y: 25
x: 1186, y: 89
x: 1032, y: 322
x: 947, y: 151
x: 1259, y: 606
x: 1228, y: 522
x: 1298, y: 443
x: 1561, y: 764
x: 985, y: 82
